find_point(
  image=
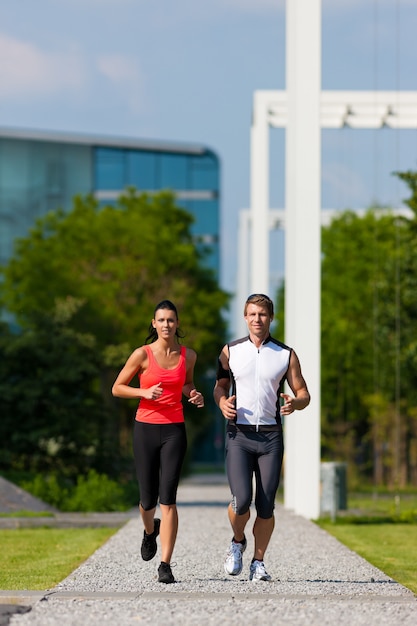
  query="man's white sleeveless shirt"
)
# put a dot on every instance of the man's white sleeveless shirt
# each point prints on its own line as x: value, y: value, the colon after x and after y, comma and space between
x: 257, y: 376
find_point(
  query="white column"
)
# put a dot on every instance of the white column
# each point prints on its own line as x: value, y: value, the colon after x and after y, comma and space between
x: 259, y: 199
x: 243, y: 282
x: 303, y: 246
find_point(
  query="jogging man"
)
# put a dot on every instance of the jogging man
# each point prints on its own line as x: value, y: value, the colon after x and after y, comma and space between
x: 249, y: 392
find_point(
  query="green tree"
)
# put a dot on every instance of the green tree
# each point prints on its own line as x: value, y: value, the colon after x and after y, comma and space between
x: 117, y: 262
x: 367, y: 336
x: 368, y: 342
x: 49, y: 402
x: 120, y: 261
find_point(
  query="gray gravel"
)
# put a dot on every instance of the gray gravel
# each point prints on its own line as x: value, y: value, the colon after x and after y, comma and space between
x: 316, y: 580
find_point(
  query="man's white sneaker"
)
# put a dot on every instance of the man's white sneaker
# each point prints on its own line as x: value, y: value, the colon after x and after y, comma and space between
x: 257, y: 571
x: 233, y: 563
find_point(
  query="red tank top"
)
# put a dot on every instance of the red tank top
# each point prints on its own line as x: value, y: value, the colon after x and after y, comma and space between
x: 167, y: 409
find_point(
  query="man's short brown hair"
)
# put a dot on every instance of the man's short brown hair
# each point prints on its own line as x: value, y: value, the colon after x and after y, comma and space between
x: 261, y: 300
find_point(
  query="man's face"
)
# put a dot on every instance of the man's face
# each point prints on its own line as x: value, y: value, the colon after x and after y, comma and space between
x: 258, y: 320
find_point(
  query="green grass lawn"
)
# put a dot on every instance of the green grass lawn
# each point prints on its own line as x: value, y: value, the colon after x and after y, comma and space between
x: 373, y: 527
x: 392, y: 548
x: 39, y: 558
x: 385, y: 504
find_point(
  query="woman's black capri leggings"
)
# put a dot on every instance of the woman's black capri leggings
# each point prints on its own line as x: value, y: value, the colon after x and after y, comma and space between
x: 159, y: 451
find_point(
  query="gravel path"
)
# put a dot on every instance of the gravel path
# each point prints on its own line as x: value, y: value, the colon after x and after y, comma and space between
x: 316, y: 580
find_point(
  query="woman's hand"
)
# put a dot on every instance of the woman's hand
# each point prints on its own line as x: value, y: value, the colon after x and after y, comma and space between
x: 196, y: 398
x: 153, y: 393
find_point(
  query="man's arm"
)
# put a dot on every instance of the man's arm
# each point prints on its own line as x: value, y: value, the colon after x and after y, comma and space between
x: 225, y: 402
x: 298, y: 386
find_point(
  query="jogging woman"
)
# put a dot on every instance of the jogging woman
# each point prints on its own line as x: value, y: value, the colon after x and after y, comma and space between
x: 165, y: 370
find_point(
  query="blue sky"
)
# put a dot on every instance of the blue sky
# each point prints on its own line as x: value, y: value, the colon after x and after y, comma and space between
x: 186, y: 70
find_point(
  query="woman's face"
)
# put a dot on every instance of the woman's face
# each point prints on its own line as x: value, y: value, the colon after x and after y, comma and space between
x: 165, y: 323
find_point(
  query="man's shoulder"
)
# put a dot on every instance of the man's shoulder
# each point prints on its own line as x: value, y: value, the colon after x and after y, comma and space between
x: 279, y: 344
x: 237, y: 342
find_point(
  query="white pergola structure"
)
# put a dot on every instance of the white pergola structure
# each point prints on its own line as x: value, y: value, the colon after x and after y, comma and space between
x: 303, y: 110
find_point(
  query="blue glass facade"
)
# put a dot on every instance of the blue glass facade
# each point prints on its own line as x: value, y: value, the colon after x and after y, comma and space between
x: 41, y: 171
x: 36, y: 177
x: 194, y: 178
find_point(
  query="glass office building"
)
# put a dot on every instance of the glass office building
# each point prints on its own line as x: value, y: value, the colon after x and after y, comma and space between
x: 42, y: 171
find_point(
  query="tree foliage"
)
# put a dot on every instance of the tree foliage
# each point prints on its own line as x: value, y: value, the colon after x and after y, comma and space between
x: 119, y: 261
x: 368, y: 342
x: 369, y: 366
x: 51, y: 410
x: 82, y: 287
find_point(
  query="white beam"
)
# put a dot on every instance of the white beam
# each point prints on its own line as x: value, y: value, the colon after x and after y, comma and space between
x: 356, y: 109
x: 277, y: 216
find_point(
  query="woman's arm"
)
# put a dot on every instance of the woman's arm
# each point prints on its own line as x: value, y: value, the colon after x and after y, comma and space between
x: 189, y: 390
x: 135, y: 364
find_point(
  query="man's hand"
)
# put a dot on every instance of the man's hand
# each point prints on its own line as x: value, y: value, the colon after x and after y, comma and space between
x: 288, y: 407
x: 227, y: 407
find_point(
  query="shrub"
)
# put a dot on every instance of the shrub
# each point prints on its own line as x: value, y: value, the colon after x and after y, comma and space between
x: 96, y: 492
x: 93, y: 492
x: 49, y: 489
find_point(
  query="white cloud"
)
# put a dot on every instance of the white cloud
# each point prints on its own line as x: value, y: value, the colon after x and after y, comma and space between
x: 124, y: 73
x: 26, y: 70
x: 118, y: 68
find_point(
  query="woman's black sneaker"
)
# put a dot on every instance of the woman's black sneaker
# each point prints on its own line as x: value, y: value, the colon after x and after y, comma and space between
x: 149, y: 547
x: 165, y: 574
